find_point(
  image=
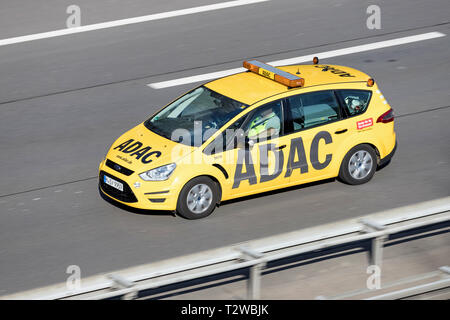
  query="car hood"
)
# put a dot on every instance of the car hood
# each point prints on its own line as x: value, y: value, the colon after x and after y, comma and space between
x: 140, y: 149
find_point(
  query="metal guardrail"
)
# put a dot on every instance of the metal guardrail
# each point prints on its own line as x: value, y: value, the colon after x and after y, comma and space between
x: 252, y: 255
x: 436, y: 283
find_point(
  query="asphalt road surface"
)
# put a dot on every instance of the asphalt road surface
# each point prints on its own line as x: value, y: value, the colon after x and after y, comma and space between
x: 64, y: 100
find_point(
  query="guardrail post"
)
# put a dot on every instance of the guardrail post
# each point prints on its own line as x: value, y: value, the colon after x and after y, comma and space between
x: 254, y: 283
x: 254, y: 280
x: 376, y: 252
x: 445, y: 270
x: 121, y: 283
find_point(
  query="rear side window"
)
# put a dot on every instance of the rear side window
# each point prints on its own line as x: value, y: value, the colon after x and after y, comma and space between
x: 312, y: 109
x: 354, y: 101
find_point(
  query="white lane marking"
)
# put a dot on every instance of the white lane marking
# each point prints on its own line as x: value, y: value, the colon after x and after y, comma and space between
x: 123, y: 22
x: 36, y: 199
x: 192, y: 79
x: 301, y: 59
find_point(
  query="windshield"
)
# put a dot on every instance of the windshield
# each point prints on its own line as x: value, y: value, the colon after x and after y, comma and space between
x: 194, y: 117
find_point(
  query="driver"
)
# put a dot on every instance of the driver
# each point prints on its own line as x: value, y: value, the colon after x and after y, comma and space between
x: 265, y: 125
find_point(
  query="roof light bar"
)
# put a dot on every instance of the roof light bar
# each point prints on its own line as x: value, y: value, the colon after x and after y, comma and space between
x: 270, y: 72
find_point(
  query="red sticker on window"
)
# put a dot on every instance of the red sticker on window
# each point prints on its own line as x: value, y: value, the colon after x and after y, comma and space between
x: 364, y: 123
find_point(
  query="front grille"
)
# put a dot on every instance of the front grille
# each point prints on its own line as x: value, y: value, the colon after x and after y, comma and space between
x: 126, y: 196
x: 118, y: 167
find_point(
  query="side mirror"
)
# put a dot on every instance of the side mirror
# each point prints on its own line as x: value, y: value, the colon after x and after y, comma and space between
x: 249, y: 143
x: 245, y: 143
x: 242, y: 140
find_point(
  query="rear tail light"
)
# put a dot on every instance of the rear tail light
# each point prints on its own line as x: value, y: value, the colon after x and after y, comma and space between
x: 386, y: 117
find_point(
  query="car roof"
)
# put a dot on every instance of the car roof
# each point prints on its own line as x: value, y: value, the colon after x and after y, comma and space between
x: 249, y: 87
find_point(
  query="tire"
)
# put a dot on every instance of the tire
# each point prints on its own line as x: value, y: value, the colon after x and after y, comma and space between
x: 198, y: 198
x: 359, y: 165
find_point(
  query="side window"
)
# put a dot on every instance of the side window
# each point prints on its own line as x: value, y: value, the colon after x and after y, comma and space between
x: 311, y: 110
x: 354, y: 101
x: 265, y: 122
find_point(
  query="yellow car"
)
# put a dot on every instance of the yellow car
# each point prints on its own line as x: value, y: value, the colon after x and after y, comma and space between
x: 251, y: 132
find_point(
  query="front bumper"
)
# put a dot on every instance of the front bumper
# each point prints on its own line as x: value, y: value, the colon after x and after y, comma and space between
x: 149, y: 195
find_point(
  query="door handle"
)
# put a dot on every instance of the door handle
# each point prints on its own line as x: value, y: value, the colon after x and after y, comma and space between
x: 280, y: 147
x: 341, y: 131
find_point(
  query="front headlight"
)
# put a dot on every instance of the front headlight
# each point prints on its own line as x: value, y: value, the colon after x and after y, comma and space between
x: 158, y: 174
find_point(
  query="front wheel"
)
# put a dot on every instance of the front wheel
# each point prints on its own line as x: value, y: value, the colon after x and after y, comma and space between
x: 359, y: 165
x: 198, y: 198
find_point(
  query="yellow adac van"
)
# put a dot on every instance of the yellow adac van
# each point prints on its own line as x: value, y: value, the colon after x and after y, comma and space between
x: 255, y: 131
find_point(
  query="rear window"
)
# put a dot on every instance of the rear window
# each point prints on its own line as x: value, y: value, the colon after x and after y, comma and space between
x: 354, y: 101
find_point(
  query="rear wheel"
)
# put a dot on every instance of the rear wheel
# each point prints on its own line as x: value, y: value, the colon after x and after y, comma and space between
x: 198, y: 198
x: 359, y: 165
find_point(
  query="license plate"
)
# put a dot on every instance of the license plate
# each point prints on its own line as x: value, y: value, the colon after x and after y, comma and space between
x: 113, y: 183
